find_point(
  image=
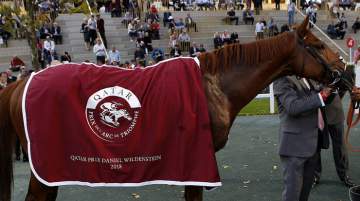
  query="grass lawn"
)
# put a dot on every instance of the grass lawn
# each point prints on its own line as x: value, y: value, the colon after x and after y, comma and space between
x: 257, y: 107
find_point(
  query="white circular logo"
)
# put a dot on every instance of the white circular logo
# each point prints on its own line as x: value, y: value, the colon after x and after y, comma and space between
x: 112, y: 113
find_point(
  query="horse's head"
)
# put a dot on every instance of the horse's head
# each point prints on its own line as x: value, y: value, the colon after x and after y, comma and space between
x: 314, y: 59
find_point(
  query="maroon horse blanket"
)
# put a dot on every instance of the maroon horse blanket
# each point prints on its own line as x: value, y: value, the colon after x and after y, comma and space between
x: 106, y: 126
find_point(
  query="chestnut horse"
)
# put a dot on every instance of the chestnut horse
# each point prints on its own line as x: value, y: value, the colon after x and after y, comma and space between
x: 232, y: 77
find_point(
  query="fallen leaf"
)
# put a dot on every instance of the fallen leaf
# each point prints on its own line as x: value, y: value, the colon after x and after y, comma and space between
x: 225, y: 166
x: 135, y: 195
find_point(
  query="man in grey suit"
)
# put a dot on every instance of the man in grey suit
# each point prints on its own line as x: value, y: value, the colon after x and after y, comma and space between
x: 335, y: 121
x: 301, y: 121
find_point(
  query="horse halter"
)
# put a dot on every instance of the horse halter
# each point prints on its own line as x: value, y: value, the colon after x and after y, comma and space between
x: 338, y: 78
x: 342, y: 80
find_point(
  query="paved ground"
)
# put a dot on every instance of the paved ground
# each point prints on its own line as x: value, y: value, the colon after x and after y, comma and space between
x: 249, y: 169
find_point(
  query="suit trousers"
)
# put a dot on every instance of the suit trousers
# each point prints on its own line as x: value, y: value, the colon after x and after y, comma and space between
x: 298, y: 176
x: 340, y: 154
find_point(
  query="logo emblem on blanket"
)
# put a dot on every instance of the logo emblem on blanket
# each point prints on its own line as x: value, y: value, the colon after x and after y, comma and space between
x: 112, y: 113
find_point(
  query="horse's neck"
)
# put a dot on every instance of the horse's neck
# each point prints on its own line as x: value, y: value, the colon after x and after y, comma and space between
x: 260, y: 63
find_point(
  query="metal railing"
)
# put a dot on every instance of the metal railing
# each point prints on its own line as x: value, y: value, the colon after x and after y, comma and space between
x: 322, y: 32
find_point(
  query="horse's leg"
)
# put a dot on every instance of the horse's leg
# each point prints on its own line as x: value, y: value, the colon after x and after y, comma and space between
x: 39, y: 192
x: 193, y: 193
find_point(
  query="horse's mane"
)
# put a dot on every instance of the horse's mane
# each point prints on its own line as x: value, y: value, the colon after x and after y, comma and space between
x: 247, y: 54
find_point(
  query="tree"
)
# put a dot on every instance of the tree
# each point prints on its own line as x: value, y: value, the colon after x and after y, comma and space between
x: 30, y: 20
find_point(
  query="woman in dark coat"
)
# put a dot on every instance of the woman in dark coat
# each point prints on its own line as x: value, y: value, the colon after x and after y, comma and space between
x: 85, y: 30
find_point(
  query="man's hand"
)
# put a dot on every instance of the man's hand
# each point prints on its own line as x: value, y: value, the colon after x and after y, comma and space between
x: 355, y: 94
x: 325, y: 93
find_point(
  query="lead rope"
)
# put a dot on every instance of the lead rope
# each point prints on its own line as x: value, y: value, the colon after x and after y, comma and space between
x: 350, y: 124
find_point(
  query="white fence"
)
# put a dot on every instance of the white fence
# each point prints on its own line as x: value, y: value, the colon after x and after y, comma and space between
x: 269, y: 95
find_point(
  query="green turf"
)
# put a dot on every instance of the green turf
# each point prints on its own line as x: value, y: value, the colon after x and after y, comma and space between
x: 257, y: 107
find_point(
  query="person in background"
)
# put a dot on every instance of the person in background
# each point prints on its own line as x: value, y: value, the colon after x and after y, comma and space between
x: 173, y: 40
x: 48, y: 50
x: 194, y: 50
x: 311, y: 12
x: 92, y: 30
x: 157, y: 55
x: 100, y: 25
x: 139, y: 54
x: 179, y: 25
x: 357, y: 55
x: 302, y: 133
x: 343, y: 20
x: 155, y: 30
x: 132, y: 31
x: 340, y: 30
x: 175, y: 52
x: 166, y: 18
x: 218, y: 42
x: 184, y: 37
x: 291, y: 12
x: 232, y: 16
x: 234, y: 37
x: 202, y: 48
x: 335, y: 126
x: 65, y: 58
x: 102, y: 9
x: 100, y: 52
x: 284, y: 28
x: 277, y: 4
x: 86, y: 33
x: 56, y: 32
x: 259, y: 30
x: 114, y: 56
x: 189, y: 22
x: 356, y: 25
x: 273, y: 29
x: 226, y: 38
x: 248, y: 16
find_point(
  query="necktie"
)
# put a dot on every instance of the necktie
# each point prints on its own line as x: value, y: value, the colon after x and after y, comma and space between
x: 321, y: 123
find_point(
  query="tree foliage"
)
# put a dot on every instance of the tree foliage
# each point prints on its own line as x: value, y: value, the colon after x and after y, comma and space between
x: 30, y: 19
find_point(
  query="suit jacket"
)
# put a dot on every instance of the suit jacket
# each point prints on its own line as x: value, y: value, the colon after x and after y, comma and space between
x: 100, y: 25
x: 298, y: 112
x: 57, y: 29
x: 334, y: 111
x: 218, y: 42
x: 193, y: 52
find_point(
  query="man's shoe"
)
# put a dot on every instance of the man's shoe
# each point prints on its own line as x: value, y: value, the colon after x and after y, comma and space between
x: 17, y: 158
x: 25, y: 159
x: 348, y: 182
x: 316, y: 182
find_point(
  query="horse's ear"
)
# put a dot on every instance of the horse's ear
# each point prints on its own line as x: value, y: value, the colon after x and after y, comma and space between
x: 302, y: 29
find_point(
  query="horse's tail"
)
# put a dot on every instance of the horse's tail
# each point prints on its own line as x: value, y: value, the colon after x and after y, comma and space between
x: 6, y: 143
